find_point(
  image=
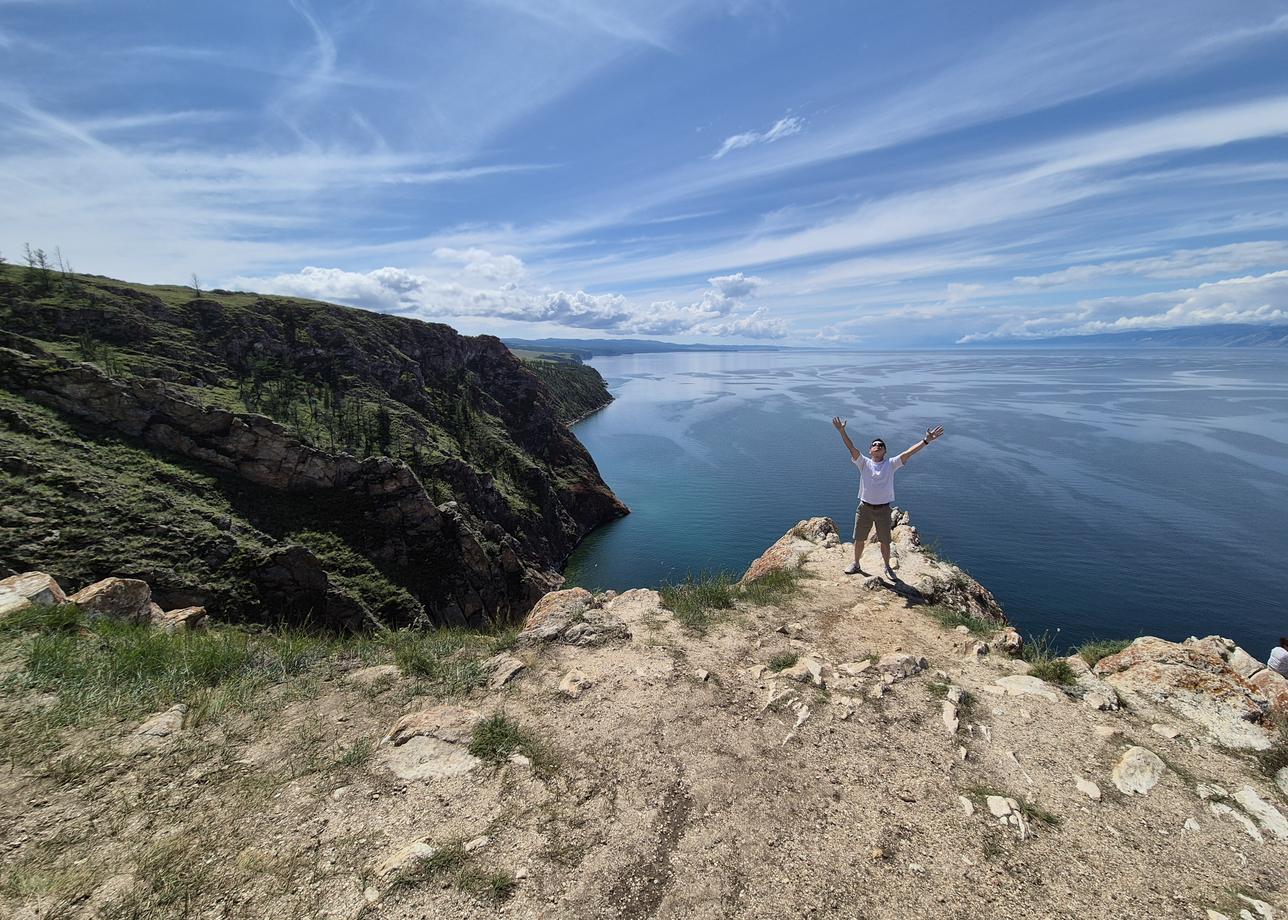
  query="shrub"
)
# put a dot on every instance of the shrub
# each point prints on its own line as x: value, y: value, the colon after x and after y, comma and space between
x: 1047, y: 661
x: 783, y: 661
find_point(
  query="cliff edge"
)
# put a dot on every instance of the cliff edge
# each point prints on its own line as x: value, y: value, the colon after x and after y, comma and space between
x: 803, y: 743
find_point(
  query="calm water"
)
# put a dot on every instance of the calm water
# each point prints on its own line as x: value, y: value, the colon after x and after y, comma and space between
x: 1101, y: 494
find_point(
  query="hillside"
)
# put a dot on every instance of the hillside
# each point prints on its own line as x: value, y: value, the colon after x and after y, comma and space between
x: 280, y: 459
x: 577, y: 390
x: 803, y: 744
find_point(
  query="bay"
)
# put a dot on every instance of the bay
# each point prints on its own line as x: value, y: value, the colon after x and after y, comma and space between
x: 1096, y: 494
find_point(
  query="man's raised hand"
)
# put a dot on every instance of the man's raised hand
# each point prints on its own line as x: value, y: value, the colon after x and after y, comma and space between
x: 932, y: 433
x: 838, y: 423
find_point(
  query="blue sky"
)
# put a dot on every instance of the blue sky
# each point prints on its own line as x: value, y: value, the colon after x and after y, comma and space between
x: 813, y: 173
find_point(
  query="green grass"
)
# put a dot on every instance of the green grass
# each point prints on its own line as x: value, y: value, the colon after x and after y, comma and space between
x: 771, y: 588
x: 951, y: 619
x: 494, y: 885
x: 696, y: 602
x: 100, y: 670
x: 1046, y: 661
x: 498, y: 736
x: 1096, y: 649
x: 783, y: 661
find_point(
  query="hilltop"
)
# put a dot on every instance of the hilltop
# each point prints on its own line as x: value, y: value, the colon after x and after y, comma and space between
x: 801, y: 743
x: 278, y: 459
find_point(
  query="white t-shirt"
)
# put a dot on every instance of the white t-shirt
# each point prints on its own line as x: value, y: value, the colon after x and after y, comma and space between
x: 876, y: 480
x: 1278, y: 660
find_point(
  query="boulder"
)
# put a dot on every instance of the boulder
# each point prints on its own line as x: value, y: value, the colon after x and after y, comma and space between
x: 899, y: 664
x: 1274, y: 687
x: 806, y: 670
x: 28, y: 589
x: 1193, y: 680
x: 1009, y: 641
x: 431, y: 744
x: 571, y: 616
x: 561, y: 604
x: 792, y: 548
x: 1094, y: 692
x: 1025, y: 685
x: 1138, y: 771
x: 1088, y: 788
x: 184, y: 618
x: 128, y: 600
x: 500, y: 668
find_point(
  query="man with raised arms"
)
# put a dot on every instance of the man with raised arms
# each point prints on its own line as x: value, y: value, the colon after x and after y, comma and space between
x: 876, y: 492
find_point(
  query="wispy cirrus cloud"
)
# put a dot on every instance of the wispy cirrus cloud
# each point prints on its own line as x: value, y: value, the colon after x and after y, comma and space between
x: 784, y: 127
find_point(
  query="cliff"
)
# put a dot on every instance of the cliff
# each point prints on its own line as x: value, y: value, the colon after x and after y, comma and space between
x: 800, y: 744
x: 281, y: 460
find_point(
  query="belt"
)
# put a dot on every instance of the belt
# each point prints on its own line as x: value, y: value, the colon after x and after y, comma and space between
x: 870, y: 505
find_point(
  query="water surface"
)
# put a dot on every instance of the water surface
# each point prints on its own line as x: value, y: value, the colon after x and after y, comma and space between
x: 1103, y: 494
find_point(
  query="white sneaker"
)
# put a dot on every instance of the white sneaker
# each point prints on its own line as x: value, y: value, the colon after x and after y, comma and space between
x: 853, y: 569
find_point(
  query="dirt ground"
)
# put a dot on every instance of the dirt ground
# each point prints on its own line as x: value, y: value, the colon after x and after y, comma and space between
x: 662, y: 792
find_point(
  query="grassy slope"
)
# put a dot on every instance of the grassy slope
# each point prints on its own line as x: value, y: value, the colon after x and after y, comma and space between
x: 330, y: 373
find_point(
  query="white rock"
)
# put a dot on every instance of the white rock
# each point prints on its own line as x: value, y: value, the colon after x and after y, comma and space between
x: 1266, y: 814
x: 1138, y: 771
x: 854, y: 668
x: 805, y: 669
x: 164, y: 724
x: 1167, y: 731
x: 1107, y: 731
x: 1220, y: 809
x: 1089, y: 789
x: 426, y: 758
x: 900, y: 664
x: 477, y: 843
x: 1025, y: 685
x: 371, y: 893
x: 756, y: 671
x: 951, y: 721
x: 1216, y: 915
x: 998, y: 806
x: 575, y: 683
x: 404, y: 858
x: 1281, y: 780
x: 702, y: 675
x: 967, y: 805
x: 1261, y: 907
x: 520, y: 760
x: 1211, y: 791
x: 1192, y: 825
x: 501, y: 667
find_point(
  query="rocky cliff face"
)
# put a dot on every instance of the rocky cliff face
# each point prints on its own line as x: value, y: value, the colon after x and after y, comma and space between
x: 347, y: 446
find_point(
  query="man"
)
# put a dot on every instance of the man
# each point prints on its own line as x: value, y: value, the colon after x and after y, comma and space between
x: 876, y: 492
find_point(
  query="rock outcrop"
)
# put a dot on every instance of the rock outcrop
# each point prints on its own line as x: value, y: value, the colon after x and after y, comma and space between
x: 447, y: 466
x: 1196, y: 680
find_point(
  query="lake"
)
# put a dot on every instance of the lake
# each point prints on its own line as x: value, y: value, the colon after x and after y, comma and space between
x: 1101, y: 494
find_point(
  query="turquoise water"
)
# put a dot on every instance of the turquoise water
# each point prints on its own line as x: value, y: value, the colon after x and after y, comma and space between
x: 1101, y: 494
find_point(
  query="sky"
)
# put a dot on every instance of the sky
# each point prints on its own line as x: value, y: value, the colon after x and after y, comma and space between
x: 853, y: 174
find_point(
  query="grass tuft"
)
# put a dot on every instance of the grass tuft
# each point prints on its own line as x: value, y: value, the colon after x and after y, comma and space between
x: 951, y: 619
x: 498, y: 736
x: 695, y: 600
x: 772, y: 588
x: 783, y: 661
x: 1096, y: 649
x: 1047, y: 662
x: 494, y: 885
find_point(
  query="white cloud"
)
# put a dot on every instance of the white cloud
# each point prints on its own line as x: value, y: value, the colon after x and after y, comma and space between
x: 1247, y: 299
x: 475, y: 282
x: 784, y: 127
x: 1183, y: 263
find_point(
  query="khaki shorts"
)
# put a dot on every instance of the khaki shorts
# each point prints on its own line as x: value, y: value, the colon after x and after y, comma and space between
x: 866, y: 516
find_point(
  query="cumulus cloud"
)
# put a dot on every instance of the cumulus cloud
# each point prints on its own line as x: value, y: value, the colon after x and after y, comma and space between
x: 1259, y: 299
x: 784, y: 127
x: 475, y: 282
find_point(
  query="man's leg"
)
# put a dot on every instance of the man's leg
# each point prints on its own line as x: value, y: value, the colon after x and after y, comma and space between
x: 862, y: 527
x: 883, y: 537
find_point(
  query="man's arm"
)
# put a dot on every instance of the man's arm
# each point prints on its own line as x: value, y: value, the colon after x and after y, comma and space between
x: 839, y: 425
x: 931, y: 434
